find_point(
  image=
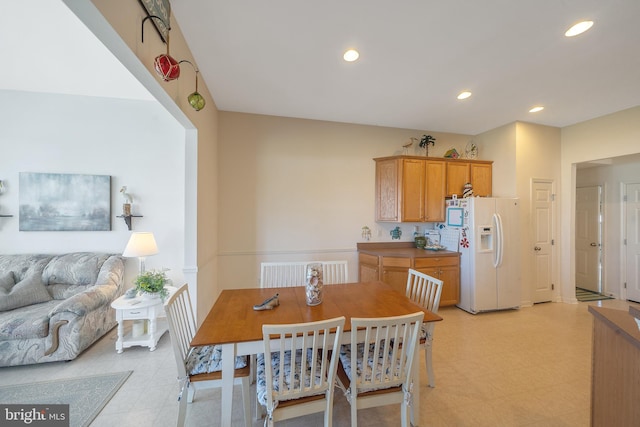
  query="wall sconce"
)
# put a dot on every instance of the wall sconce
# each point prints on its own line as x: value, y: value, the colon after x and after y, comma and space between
x: 165, y: 65
x: 195, y: 99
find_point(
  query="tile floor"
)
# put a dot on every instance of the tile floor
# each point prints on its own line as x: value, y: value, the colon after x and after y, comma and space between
x: 527, y: 367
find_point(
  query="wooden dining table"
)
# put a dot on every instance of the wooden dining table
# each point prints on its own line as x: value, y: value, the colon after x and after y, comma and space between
x: 233, y: 324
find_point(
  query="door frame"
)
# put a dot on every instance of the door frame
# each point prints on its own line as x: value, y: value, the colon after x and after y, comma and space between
x: 624, y: 248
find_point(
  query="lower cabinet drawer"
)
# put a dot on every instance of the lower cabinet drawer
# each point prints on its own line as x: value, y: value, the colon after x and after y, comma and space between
x: 140, y: 313
x: 396, y: 262
x: 436, y: 261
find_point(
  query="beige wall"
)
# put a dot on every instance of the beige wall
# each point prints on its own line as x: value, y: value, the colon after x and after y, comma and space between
x: 538, y: 158
x: 522, y: 152
x: 125, y: 17
x: 608, y: 136
x: 294, y: 189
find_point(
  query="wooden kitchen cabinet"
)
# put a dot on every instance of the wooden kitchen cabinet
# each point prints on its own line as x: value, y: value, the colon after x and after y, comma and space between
x: 395, y: 271
x: 481, y: 178
x: 446, y: 269
x: 410, y: 189
x: 413, y: 188
x: 368, y: 268
x: 615, y: 368
x: 477, y: 172
x: 390, y: 263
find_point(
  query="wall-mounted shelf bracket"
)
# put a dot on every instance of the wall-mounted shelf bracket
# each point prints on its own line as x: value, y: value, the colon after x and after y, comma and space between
x: 127, y: 219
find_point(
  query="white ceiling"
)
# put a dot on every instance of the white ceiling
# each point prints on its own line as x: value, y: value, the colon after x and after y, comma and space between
x: 46, y: 48
x: 283, y: 57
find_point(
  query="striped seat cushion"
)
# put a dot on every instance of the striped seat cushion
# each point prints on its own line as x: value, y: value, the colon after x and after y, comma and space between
x: 208, y: 358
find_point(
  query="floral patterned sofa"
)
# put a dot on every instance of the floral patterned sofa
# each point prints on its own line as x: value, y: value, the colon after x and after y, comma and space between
x: 52, y: 307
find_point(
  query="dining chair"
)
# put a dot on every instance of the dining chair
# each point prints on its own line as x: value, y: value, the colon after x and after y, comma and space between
x: 282, y: 274
x: 199, y: 366
x: 334, y: 272
x: 425, y: 290
x: 296, y: 372
x: 380, y: 370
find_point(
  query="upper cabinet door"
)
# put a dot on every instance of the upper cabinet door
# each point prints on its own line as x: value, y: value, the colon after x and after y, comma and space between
x: 457, y: 176
x: 413, y: 190
x: 481, y: 179
x: 435, y: 190
x: 387, y: 190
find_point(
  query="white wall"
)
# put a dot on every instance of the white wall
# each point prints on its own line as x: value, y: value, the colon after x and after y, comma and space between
x: 137, y: 143
x: 613, y: 135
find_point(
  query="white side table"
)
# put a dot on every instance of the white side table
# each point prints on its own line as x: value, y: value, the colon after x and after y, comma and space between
x: 139, y: 308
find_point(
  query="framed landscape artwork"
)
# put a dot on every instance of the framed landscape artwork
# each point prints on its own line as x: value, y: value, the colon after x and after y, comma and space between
x: 64, y: 202
x: 161, y: 9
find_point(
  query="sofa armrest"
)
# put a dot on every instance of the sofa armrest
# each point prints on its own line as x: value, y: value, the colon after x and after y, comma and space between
x: 82, y: 303
x: 107, y: 288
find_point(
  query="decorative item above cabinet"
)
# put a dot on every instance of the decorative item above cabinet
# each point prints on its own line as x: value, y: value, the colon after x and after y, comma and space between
x: 414, y: 188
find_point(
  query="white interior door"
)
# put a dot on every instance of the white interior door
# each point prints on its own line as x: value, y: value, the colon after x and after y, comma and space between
x: 588, y: 238
x: 632, y: 235
x: 542, y: 214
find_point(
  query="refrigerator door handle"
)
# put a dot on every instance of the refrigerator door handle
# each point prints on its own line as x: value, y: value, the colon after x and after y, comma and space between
x: 497, y: 221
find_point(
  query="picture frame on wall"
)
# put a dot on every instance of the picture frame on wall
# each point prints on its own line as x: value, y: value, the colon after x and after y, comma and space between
x: 161, y: 9
x: 64, y: 202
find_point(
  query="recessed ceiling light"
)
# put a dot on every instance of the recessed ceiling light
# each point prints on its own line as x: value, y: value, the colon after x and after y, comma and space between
x: 464, y: 95
x: 536, y: 109
x: 579, y: 28
x: 351, y: 55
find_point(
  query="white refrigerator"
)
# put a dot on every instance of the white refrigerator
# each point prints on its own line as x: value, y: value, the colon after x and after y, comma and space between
x: 489, y: 252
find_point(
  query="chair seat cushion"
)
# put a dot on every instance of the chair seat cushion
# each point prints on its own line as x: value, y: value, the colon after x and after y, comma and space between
x: 345, y: 360
x: 208, y: 358
x: 261, y: 382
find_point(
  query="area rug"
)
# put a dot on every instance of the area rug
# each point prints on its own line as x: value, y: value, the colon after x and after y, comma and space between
x: 86, y: 396
x: 584, y: 295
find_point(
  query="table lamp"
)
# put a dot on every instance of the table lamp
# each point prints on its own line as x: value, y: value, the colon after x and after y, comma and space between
x: 141, y: 245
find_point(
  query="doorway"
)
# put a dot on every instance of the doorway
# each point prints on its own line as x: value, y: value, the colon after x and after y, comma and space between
x: 632, y: 239
x: 589, y: 238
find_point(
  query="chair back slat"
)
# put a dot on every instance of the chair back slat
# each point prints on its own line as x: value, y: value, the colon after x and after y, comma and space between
x: 335, y: 272
x: 304, y: 368
x: 424, y: 290
x: 385, y: 350
x: 286, y: 274
x: 182, y: 326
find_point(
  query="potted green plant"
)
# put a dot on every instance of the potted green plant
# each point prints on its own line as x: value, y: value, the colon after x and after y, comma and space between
x: 152, y: 283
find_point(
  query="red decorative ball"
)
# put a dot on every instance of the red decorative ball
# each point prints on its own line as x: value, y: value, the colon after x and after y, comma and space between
x: 167, y: 67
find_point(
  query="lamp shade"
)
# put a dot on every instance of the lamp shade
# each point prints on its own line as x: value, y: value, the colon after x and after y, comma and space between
x: 141, y: 244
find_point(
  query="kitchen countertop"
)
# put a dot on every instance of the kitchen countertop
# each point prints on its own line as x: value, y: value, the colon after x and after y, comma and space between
x: 400, y: 249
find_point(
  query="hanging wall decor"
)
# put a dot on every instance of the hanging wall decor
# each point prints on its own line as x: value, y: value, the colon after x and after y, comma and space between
x: 64, y: 202
x: 161, y: 9
x: 195, y: 99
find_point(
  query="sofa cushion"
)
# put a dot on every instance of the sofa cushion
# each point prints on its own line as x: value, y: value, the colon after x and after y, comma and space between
x: 27, y: 322
x: 23, y: 265
x: 7, y: 280
x: 72, y: 273
x: 28, y: 291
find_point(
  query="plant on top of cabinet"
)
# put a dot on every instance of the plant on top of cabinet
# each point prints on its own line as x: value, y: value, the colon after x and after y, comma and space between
x: 425, y: 141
